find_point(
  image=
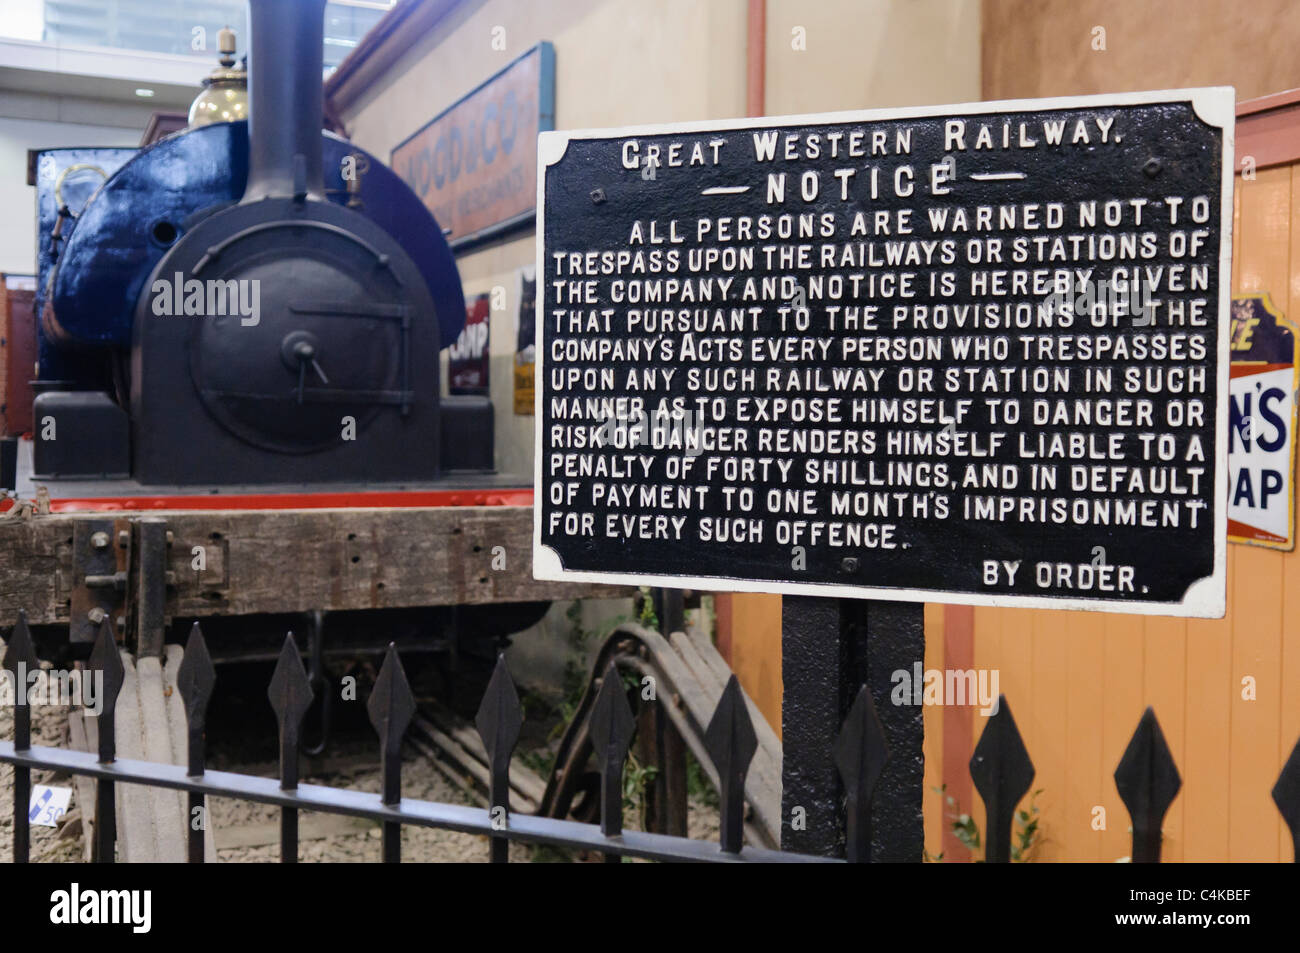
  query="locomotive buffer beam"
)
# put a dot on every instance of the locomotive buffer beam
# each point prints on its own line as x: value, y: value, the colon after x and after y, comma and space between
x: 200, y: 563
x: 120, y: 573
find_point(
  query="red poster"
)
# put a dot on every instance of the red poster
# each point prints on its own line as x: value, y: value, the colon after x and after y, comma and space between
x: 467, y: 359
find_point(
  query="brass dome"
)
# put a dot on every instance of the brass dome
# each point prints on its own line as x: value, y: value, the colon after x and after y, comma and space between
x: 225, y: 90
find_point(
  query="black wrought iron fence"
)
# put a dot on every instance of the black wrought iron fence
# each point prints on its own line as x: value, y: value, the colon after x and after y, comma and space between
x: 391, y: 705
x: 1146, y: 777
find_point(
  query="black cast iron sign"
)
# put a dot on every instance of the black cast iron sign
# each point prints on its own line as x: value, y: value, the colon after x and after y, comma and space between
x: 974, y: 354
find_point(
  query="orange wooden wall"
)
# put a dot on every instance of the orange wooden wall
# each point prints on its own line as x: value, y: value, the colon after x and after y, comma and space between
x: 754, y: 650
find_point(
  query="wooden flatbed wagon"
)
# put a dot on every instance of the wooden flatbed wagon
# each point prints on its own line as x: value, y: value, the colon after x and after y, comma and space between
x: 140, y: 562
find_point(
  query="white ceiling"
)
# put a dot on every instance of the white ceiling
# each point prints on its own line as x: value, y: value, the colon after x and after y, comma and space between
x: 101, y: 73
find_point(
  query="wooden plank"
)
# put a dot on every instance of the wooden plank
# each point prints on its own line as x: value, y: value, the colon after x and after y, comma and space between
x: 1045, y: 728
x: 1121, y: 700
x: 1270, y: 131
x: 35, y: 569
x: 934, y: 732
x: 522, y: 778
x: 1256, y: 654
x: 1165, y: 689
x: 1256, y: 607
x: 766, y: 766
x: 1086, y: 704
x: 1205, y: 793
x: 168, y: 810
x: 448, y: 747
x: 695, y: 704
x: 1289, y: 675
x: 704, y: 649
x: 79, y: 740
x: 708, y: 654
x: 987, y: 652
x: 755, y: 650
x: 19, y: 358
x: 956, y: 650
x: 299, y: 560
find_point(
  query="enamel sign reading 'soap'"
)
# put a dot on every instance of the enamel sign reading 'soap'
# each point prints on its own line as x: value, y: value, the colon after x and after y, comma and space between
x: 1261, y: 450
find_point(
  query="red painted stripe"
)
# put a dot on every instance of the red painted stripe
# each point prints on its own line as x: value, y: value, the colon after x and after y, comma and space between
x: 389, y: 499
x: 1242, y: 531
x: 1245, y: 370
x: 958, y: 726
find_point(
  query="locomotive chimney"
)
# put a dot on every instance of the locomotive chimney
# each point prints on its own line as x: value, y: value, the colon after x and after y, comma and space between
x: 286, y: 101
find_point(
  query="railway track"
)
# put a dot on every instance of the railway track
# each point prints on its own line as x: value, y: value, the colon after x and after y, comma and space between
x: 684, y: 676
x: 455, y: 749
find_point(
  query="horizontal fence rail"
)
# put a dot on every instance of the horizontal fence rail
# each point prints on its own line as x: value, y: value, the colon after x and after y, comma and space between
x: 453, y: 817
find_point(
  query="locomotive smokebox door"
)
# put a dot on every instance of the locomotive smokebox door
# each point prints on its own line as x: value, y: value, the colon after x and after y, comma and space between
x: 285, y: 324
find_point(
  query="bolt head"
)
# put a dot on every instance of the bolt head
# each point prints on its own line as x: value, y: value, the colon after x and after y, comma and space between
x: 99, y: 540
x: 96, y: 615
x: 849, y: 564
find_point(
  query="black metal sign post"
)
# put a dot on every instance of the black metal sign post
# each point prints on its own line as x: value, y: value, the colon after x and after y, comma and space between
x: 830, y: 648
x: 972, y: 354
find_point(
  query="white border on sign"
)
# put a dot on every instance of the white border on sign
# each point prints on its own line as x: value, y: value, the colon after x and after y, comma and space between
x: 1206, y: 598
